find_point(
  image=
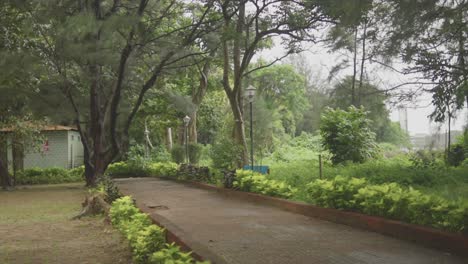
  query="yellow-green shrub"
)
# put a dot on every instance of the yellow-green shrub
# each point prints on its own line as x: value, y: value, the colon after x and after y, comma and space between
x: 146, y: 240
x: 388, y: 200
x: 250, y: 181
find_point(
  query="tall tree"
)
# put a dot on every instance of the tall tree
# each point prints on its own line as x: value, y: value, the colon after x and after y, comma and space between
x: 372, y: 99
x: 284, y: 89
x: 248, y: 27
x: 104, y: 56
x: 430, y: 35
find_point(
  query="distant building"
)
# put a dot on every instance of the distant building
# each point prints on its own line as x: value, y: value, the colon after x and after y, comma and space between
x: 61, y: 148
x: 434, y: 141
x: 403, y: 118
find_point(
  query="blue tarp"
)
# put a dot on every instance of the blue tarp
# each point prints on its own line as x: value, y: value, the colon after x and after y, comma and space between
x: 261, y: 169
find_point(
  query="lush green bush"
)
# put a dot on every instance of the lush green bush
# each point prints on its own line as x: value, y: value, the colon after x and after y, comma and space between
x: 456, y: 155
x: 250, y: 181
x: 398, y: 169
x: 388, y: 200
x: 171, y: 254
x: 124, y: 169
x: 49, y: 176
x: 146, y: 240
x: 160, y: 154
x: 158, y: 169
x: 348, y: 135
x: 128, y: 169
x: 225, y: 154
x: 178, y: 154
x: 337, y: 193
x: 195, y: 152
x: 107, y: 187
x: 121, y: 210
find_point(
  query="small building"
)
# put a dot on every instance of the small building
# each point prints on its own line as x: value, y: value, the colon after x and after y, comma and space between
x: 61, y: 147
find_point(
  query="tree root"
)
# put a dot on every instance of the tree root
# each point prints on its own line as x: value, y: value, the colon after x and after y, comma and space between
x: 93, y: 205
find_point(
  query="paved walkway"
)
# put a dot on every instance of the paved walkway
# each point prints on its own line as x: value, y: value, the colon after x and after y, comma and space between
x: 229, y: 230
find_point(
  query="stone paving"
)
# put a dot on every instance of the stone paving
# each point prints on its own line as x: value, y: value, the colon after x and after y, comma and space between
x: 230, y: 230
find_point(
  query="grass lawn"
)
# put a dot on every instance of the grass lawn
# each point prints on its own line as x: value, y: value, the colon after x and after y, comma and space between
x: 35, y: 227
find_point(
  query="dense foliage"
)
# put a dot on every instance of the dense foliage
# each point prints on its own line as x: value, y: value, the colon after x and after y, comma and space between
x: 255, y: 182
x: 49, y: 176
x: 141, y: 169
x: 147, y: 241
x: 388, y: 200
x: 348, y: 135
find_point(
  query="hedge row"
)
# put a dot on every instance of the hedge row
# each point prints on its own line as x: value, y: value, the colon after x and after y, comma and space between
x: 49, y: 176
x: 146, y: 240
x: 388, y: 200
x: 250, y: 181
x: 128, y: 169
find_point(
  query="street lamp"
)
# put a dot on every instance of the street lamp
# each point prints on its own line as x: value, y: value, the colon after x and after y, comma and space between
x: 186, y: 123
x: 250, y: 94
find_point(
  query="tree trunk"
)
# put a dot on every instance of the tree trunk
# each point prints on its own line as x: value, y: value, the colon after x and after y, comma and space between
x: 238, y: 133
x: 234, y: 94
x: 197, y: 97
x: 169, y: 142
x: 192, y: 128
x: 363, y: 60
x: 353, y: 85
x: 5, y: 178
x: 18, y: 158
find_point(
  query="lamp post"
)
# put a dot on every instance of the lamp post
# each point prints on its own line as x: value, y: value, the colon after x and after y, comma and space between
x: 250, y: 94
x: 186, y: 123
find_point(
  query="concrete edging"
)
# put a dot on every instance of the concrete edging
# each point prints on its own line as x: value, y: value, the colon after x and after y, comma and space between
x: 426, y: 236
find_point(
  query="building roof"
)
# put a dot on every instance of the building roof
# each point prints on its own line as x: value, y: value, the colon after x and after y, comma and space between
x: 45, y: 128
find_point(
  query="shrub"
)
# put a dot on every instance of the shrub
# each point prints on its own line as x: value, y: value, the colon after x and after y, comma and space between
x: 122, y: 209
x: 226, y: 154
x: 250, y: 181
x: 347, y: 135
x: 172, y: 254
x: 423, y: 159
x: 146, y: 240
x: 178, y: 154
x: 126, y: 169
x: 456, y: 155
x: 160, y: 154
x: 106, y: 186
x: 194, y: 173
x: 195, y: 152
x: 338, y: 193
x: 389, y: 200
x: 49, y: 176
x: 159, y: 169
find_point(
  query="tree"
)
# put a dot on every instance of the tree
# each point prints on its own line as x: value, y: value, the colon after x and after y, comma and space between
x: 20, y: 133
x: 282, y: 88
x: 430, y: 36
x: 347, y: 135
x: 104, y: 56
x: 316, y: 93
x: 248, y: 27
x: 372, y: 99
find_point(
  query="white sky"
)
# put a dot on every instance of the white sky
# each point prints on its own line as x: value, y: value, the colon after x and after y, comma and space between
x: 418, y: 111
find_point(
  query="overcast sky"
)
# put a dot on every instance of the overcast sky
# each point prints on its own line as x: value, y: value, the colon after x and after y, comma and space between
x: 418, y: 111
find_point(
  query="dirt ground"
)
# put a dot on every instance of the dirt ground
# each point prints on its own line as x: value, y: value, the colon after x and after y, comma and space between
x: 35, y: 227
